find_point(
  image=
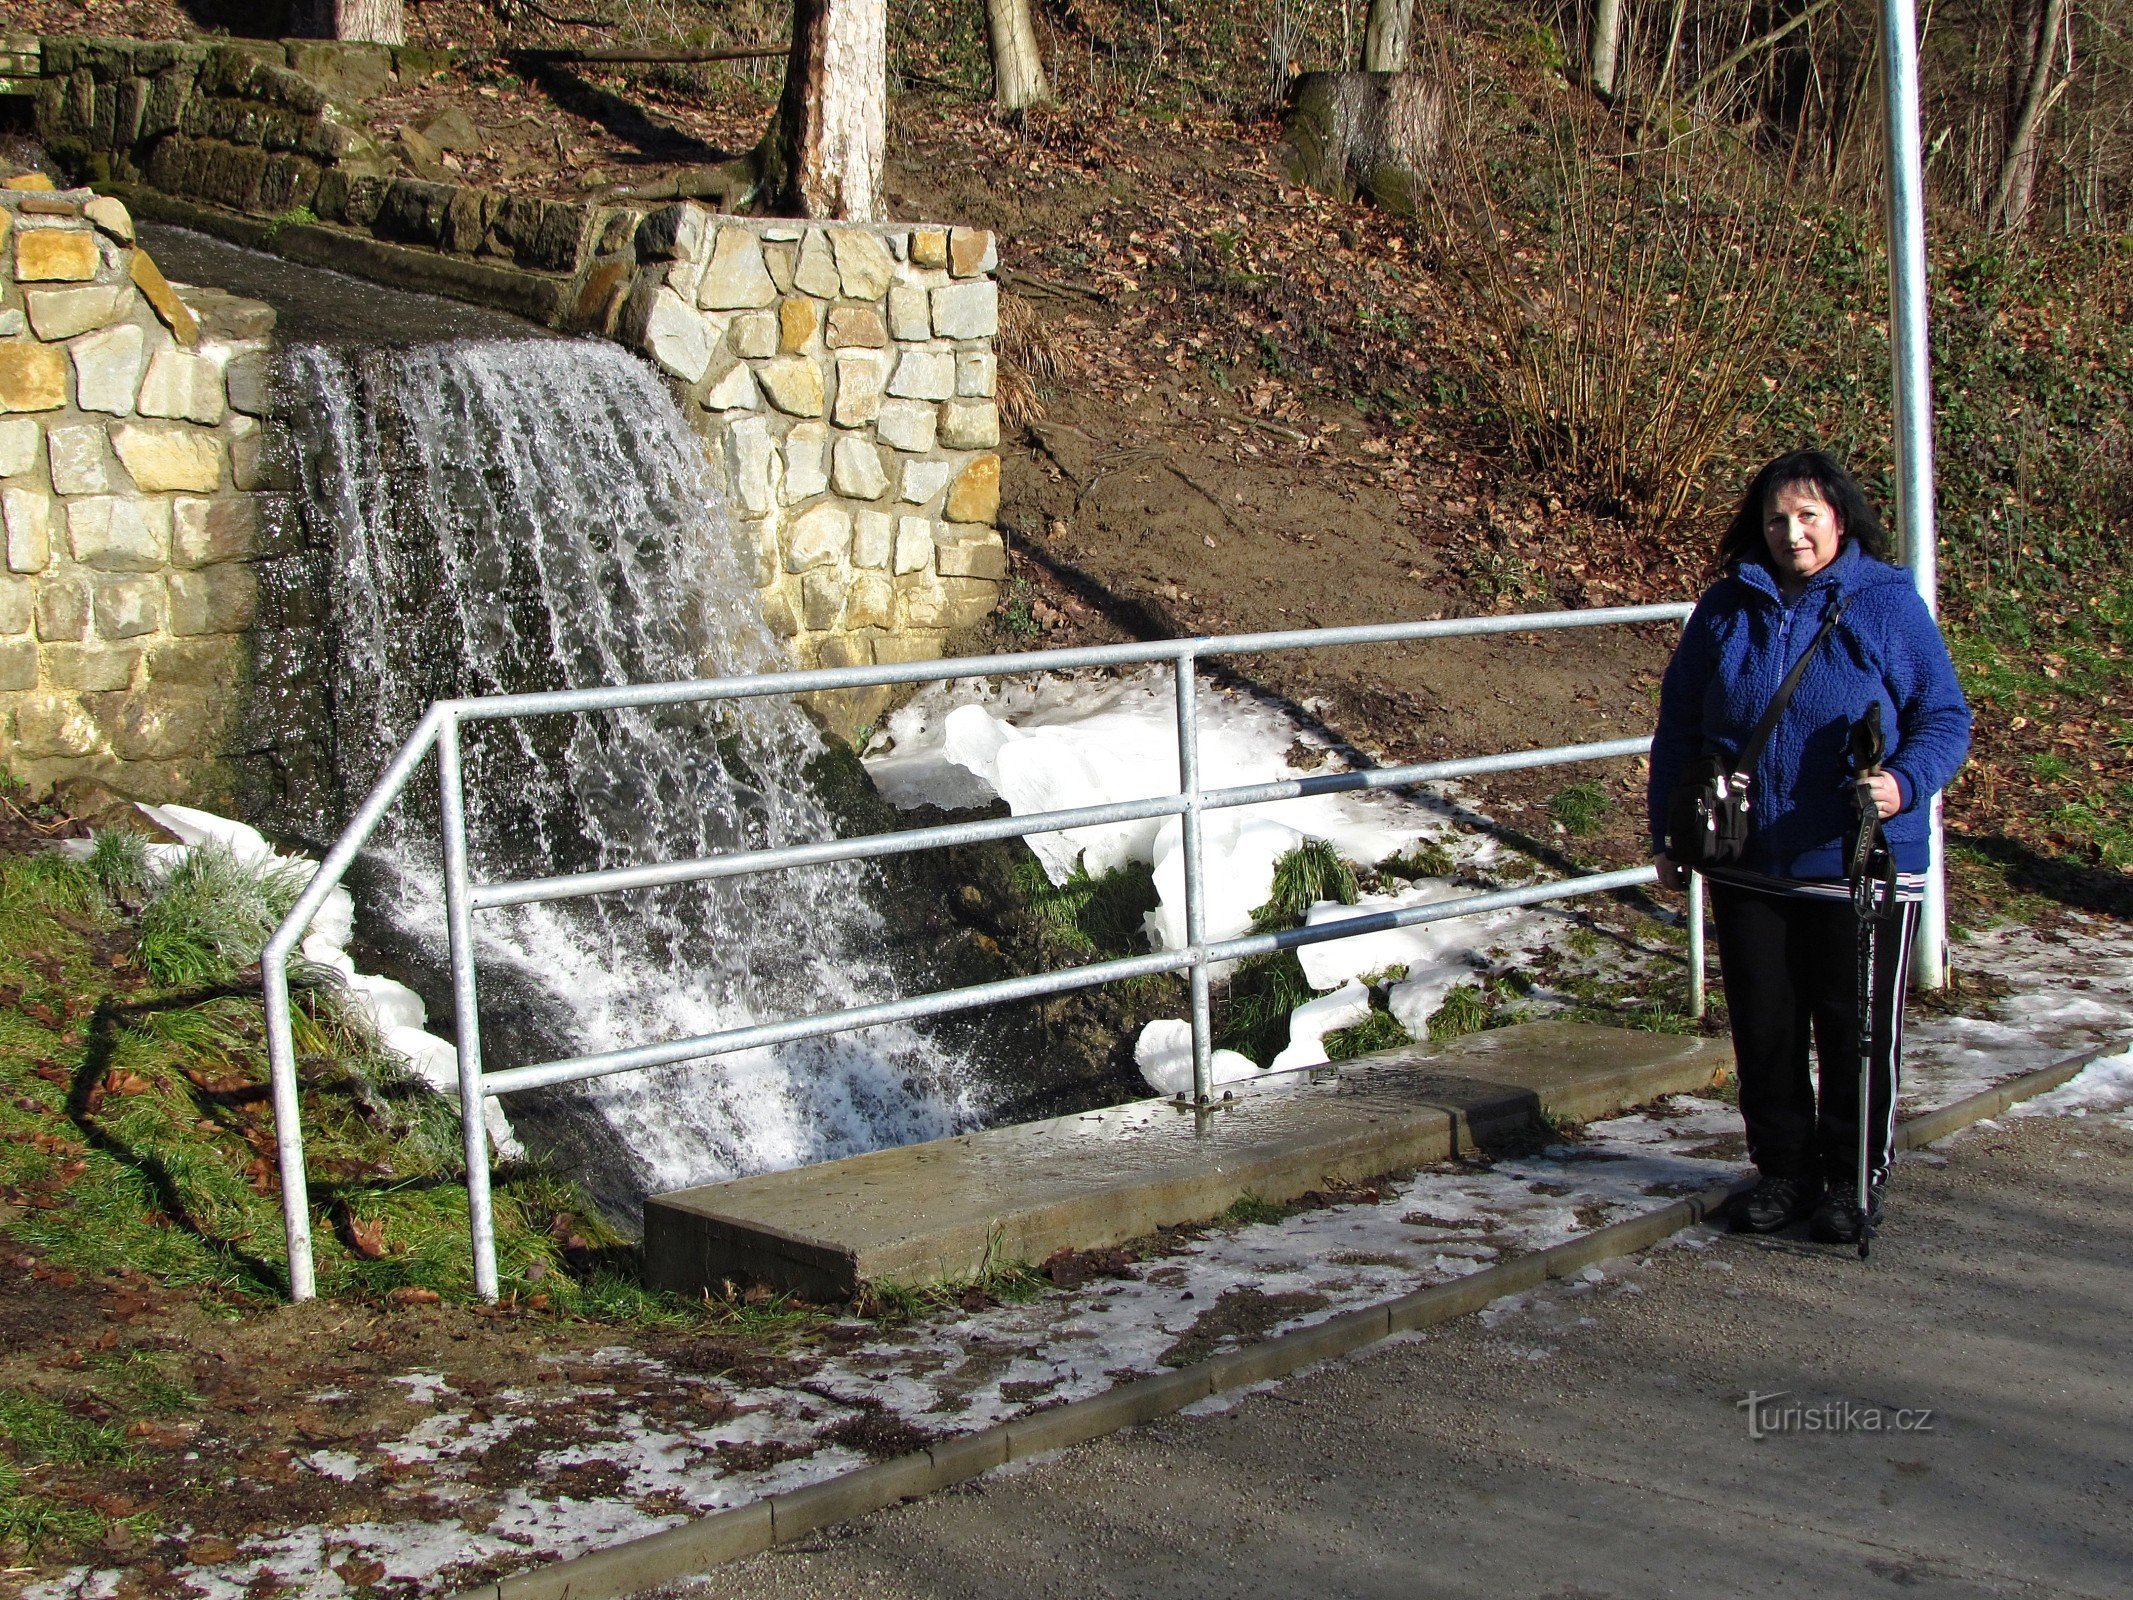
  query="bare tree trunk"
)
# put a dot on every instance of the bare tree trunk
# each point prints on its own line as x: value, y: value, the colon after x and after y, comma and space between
x: 823, y: 156
x: 1386, y: 35
x: 2016, y: 186
x: 1017, y: 67
x: 1607, y: 21
x: 354, y: 21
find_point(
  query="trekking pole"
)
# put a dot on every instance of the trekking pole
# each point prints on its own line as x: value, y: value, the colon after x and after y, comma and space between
x: 1873, y: 892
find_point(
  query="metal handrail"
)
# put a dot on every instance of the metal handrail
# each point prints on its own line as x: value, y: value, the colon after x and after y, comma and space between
x: 439, y: 729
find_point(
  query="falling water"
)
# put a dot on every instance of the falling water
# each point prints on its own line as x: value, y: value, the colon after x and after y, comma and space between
x: 536, y: 515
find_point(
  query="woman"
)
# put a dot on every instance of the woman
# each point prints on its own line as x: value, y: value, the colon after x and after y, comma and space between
x: 1805, y: 541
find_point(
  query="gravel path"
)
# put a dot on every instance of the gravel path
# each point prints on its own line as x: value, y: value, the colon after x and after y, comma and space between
x: 1588, y: 1441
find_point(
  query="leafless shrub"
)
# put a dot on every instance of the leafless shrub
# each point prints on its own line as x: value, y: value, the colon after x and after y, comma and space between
x: 1625, y: 311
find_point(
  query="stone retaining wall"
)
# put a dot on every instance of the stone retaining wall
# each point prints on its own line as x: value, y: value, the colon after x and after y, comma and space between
x: 844, y: 376
x: 129, y: 447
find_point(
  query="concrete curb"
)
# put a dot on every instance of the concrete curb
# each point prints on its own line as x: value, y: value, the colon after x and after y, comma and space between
x: 722, y: 1536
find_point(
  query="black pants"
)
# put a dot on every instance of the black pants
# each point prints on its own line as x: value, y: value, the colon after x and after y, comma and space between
x: 1791, y: 969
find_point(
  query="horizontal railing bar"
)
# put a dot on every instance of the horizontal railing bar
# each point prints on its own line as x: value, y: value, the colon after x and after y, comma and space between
x: 874, y: 846
x: 940, y: 1003
x: 607, y: 1063
x: 625, y: 696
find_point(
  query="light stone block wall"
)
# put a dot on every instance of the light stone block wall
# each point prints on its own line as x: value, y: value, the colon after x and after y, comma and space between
x: 843, y: 377
x: 130, y: 442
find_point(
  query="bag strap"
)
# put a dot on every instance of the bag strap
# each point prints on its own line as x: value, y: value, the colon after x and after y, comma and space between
x: 1752, y: 751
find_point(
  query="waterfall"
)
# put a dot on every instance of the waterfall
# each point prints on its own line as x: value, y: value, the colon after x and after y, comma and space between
x: 489, y: 517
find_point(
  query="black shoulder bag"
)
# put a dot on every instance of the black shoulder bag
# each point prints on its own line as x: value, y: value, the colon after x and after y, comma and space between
x: 1707, y: 815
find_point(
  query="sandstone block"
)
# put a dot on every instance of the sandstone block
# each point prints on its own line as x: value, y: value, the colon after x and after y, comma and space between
x: 28, y: 515
x: 780, y: 615
x: 18, y: 667
x: 806, y: 462
x: 18, y: 601
x: 929, y: 247
x: 921, y: 602
x: 62, y: 610
x: 162, y: 721
x: 52, y: 726
x: 55, y: 255
x: 781, y: 259
x: 967, y: 310
x: 798, y: 320
x: 12, y: 321
x: 63, y: 313
x: 19, y: 439
x: 976, y: 494
x: 966, y: 602
x: 247, y: 443
x: 736, y: 278
x: 794, y: 384
x: 760, y: 540
x: 91, y: 668
x: 107, y: 368
x: 925, y: 479
x: 672, y: 233
x: 963, y: 552
x: 856, y: 327
x: 81, y: 462
x: 970, y: 425
x: 857, y: 473
x: 821, y: 598
x: 869, y: 602
x: 858, y: 388
x: 736, y: 391
x: 33, y: 377
x: 677, y: 337
x: 212, y: 661
x: 864, y: 264
x: 971, y: 251
x: 203, y: 532
x: 118, y: 533
x: 180, y: 384
x: 220, y: 599
x: 894, y: 648
x: 750, y: 458
x: 755, y: 336
x: 817, y: 272
x: 244, y: 381
x: 924, y: 375
x: 155, y: 288
x: 111, y: 216
x: 873, y: 532
x: 164, y: 456
x: 820, y: 536
x: 844, y: 650
x: 914, y: 545
x: 977, y: 374
x: 910, y: 313
x: 126, y: 608
x: 909, y: 425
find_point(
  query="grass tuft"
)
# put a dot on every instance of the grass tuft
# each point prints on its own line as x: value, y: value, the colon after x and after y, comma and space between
x: 1580, y: 807
x: 1311, y: 872
x: 211, y: 915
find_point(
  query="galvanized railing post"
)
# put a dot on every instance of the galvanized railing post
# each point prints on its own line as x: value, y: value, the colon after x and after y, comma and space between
x: 1697, y: 969
x: 466, y: 1004
x: 288, y: 1125
x: 1195, y: 888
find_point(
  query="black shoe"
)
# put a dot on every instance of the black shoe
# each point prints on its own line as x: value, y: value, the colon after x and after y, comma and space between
x: 1836, y: 1219
x: 1774, y: 1203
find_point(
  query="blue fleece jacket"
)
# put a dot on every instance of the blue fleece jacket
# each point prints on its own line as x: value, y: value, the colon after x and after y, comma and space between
x: 1736, y: 649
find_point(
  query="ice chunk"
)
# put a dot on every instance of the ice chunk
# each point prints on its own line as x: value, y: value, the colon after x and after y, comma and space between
x: 1164, y: 1054
x: 204, y: 827
x: 1427, y: 945
x: 1310, y: 1022
x: 1238, y: 852
x: 390, y: 1004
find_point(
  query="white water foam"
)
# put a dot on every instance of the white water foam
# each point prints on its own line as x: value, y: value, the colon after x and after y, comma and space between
x: 518, y: 516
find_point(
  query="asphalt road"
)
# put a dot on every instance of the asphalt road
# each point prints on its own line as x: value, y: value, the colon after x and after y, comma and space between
x: 1590, y: 1441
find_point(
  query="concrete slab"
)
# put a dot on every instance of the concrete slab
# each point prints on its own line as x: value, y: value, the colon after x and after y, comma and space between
x: 935, y: 1212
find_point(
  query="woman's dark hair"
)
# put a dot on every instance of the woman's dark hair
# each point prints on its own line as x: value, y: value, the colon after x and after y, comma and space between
x: 1743, y: 538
